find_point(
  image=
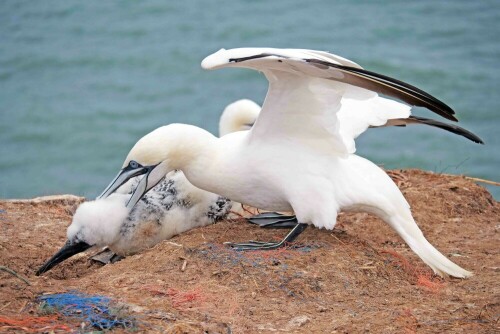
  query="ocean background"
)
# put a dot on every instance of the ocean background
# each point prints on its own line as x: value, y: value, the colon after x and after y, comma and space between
x: 82, y: 81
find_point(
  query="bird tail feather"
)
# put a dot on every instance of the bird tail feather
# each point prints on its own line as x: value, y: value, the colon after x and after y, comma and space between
x: 411, y: 233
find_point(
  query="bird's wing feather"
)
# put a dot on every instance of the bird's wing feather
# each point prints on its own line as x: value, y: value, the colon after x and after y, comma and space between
x: 432, y: 122
x: 361, y: 110
x: 307, y: 89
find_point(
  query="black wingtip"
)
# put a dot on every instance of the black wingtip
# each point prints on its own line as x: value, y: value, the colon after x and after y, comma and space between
x: 448, y: 127
x: 415, y: 96
x: 395, y: 88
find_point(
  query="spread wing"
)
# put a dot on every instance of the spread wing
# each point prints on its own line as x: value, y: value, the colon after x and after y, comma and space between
x: 309, y: 91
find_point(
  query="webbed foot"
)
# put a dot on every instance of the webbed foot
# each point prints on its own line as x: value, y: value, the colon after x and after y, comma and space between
x: 273, y: 220
x: 259, y: 245
x: 106, y: 256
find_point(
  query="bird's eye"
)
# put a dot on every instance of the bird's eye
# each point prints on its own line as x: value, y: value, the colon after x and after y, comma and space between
x: 133, y: 164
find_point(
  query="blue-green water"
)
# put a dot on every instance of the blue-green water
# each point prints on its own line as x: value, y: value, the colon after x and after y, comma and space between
x: 81, y: 81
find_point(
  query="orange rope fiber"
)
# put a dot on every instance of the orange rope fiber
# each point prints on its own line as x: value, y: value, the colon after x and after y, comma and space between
x: 423, y: 277
x: 33, y: 324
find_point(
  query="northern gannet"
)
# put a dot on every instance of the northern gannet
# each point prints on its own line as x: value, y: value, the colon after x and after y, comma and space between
x: 297, y: 157
x: 173, y: 206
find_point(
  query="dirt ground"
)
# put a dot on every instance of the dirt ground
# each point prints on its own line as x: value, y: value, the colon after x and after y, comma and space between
x: 359, y: 278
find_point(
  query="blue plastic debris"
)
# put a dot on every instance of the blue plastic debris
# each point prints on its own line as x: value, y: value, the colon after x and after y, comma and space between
x: 93, y: 310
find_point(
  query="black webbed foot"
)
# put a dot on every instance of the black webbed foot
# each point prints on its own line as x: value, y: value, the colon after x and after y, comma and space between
x: 273, y: 220
x: 106, y: 256
x: 259, y: 245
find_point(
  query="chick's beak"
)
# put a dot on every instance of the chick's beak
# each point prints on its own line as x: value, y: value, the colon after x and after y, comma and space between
x: 68, y: 250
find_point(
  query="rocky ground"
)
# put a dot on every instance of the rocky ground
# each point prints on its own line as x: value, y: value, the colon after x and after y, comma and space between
x: 361, y: 277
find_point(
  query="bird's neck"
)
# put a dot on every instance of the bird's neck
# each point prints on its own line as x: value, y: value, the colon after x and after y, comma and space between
x: 190, y: 147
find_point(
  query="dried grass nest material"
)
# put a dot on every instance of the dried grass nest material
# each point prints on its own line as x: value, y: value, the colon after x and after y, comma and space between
x: 351, y: 283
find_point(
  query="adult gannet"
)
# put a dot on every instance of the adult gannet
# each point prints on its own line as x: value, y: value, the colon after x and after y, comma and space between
x: 173, y: 206
x: 297, y: 157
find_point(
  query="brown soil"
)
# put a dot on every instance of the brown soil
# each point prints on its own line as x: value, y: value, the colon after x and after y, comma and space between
x: 360, y: 277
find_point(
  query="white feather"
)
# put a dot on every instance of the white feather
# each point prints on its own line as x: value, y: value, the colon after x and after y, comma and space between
x: 98, y: 222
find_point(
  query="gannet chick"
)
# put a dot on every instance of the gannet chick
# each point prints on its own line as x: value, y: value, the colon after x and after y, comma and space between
x: 296, y: 157
x: 170, y: 208
x: 173, y: 206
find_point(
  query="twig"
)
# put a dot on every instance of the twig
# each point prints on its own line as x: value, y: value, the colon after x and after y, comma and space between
x: 236, y: 213
x: 475, y: 179
x: 12, y: 272
x: 343, y: 243
x: 22, y: 307
x: 184, y: 265
x: 245, y: 209
x: 1, y: 308
x: 174, y: 244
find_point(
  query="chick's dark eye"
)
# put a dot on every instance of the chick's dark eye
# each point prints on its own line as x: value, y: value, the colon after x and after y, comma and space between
x: 133, y: 164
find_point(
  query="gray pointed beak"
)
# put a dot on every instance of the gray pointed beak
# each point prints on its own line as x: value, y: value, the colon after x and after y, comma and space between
x: 133, y: 169
x: 68, y: 250
x: 153, y: 176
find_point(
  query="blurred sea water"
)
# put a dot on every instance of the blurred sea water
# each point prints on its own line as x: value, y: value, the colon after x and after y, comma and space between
x: 81, y: 81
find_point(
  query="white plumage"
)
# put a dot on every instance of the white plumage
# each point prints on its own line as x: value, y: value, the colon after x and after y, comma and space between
x: 299, y: 154
x: 99, y: 222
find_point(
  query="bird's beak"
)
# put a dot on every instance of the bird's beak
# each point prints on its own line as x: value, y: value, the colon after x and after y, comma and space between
x: 68, y: 250
x: 125, y: 174
x: 153, y: 176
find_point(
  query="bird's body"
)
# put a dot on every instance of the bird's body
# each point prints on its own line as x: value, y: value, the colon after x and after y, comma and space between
x: 263, y: 177
x: 316, y: 186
